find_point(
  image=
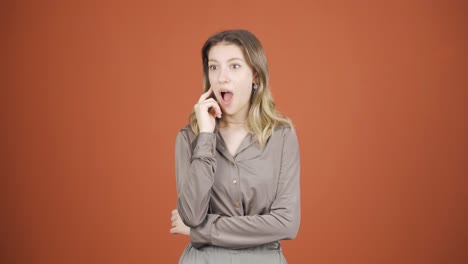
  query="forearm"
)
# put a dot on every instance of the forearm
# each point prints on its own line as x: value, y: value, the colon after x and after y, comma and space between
x: 196, y: 176
x: 247, y: 231
x: 194, y: 194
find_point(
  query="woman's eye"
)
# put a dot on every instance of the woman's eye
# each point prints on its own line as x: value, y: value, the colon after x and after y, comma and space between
x: 236, y: 66
x: 212, y: 67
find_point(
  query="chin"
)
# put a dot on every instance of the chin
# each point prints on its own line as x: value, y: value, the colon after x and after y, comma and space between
x: 229, y: 111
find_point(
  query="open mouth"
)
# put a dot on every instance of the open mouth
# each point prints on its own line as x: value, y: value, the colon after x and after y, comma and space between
x: 226, y: 96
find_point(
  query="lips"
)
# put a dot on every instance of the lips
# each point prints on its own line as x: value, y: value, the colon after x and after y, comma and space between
x: 226, y: 96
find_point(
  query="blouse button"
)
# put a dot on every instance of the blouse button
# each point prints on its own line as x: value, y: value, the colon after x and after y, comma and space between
x: 234, y: 181
x: 237, y: 203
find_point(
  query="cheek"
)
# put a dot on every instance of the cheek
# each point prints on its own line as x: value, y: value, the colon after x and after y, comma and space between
x: 211, y: 79
x: 215, y: 94
x: 247, y: 85
x: 216, y: 97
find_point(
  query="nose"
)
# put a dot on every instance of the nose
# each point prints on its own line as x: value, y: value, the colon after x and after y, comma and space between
x: 223, y: 75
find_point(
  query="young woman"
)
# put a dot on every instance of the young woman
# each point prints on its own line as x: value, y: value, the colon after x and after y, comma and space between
x: 237, y: 163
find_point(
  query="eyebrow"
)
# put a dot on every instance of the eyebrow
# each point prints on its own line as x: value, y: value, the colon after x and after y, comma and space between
x: 231, y: 59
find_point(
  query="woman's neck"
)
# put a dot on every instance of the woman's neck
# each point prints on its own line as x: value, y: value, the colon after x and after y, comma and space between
x: 233, y: 122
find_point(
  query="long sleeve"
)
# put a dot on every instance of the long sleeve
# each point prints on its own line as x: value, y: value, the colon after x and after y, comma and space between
x: 195, y: 176
x: 282, y: 222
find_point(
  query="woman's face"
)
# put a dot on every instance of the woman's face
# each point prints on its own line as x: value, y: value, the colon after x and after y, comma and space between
x: 231, y: 79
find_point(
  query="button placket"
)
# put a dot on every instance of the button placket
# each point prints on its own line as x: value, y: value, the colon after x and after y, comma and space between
x: 235, y: 181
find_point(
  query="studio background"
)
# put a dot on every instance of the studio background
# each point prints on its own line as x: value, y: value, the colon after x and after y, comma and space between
x: 95, y: 92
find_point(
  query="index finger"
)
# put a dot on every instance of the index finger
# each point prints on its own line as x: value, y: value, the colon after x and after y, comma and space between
x: 205, y: 95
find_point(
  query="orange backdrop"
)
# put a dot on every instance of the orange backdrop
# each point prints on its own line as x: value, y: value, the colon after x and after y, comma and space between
x: 95, y: 92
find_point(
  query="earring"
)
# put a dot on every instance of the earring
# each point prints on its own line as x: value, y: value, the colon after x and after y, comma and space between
x: 255, y: 86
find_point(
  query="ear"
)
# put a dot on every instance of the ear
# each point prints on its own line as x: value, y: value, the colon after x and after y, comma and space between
x: 255, y: 78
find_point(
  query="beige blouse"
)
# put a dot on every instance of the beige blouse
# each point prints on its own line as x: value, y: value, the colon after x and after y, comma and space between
x: 239, y: 201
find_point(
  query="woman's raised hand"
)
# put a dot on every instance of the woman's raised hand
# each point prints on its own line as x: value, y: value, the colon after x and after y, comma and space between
x: 207, y: 110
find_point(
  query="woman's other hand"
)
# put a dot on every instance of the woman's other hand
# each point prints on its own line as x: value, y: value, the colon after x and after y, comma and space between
x: 207, y: 110
x: 178, y: 227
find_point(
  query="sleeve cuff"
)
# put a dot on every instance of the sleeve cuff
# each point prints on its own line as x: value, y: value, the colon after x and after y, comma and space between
x: 201, y: 235
x: 206, y: 145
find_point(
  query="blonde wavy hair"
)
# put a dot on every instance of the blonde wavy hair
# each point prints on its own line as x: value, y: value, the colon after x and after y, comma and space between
x: 263, y: 116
